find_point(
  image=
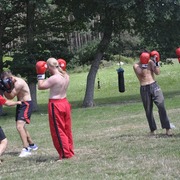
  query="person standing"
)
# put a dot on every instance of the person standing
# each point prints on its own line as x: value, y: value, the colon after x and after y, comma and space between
x: 23, y: 112
x: 59, y: 109
x: 150, y: 91
x: 3, y: 139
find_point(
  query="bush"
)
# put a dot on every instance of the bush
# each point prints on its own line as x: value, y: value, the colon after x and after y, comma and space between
x: 123, y: 59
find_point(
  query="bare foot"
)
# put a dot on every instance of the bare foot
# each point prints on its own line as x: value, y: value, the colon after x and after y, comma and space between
x: 152, y: 133
x: 168, y: 132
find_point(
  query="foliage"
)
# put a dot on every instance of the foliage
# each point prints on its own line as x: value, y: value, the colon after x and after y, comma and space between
x: 126, y: 44
x: 48, y: 40
x: 158, y: 23
x: 86, y: 53
x: 120, y: 58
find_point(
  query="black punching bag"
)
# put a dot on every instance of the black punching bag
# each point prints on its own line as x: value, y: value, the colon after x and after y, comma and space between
x: 121, y: 85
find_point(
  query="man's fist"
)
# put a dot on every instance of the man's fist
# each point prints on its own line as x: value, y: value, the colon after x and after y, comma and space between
x: 2, y: 87
x: 178, y: 53
x: 144, y: 59
x: 62, y: 64
x: 41, y: 67
x: 155, y: 57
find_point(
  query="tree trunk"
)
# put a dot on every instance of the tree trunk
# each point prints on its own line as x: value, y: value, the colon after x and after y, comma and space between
x: 32, y: 87
x: 30, y: 42
x: 103, y: 45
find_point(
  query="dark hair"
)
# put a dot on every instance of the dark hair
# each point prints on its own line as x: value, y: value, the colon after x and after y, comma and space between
x: 6, y: 74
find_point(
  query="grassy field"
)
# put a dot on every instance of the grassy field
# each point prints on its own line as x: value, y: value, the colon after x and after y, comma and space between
x: 111, y: 140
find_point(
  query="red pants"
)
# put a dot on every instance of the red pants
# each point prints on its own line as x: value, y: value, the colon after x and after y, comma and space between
x: 60, y: 126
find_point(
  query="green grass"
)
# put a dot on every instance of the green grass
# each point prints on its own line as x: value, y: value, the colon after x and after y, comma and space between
x: 111, y: 140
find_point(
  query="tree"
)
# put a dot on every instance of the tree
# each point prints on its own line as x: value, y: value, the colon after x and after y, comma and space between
x: 10, y: 15
x: 158, y: 23
x: 40, y: 39
x: 109, y: 17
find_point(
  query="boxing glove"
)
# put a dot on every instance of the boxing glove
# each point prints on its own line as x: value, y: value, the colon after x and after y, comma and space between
x: 8, y: 84
x: 41, y: 67
x: 155, y: 57
x: 62, y: 64
x: 2, y: 87
x: 144, y: 59
x: 178, y: 53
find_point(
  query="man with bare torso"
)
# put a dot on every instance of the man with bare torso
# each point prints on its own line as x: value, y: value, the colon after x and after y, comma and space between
x: 145, y: 70
x: 59, y: 108
x: 23, y: 111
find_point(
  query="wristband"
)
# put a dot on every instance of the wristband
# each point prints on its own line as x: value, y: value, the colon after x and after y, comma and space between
x: 144, y: 66
x: 157, y: 64
x: 40, y: 76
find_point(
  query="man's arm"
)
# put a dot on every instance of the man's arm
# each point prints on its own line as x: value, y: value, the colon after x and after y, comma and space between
x: 154, y: 68
x: 17, y: 88
x: 47, y: 83
x: 12, y: 103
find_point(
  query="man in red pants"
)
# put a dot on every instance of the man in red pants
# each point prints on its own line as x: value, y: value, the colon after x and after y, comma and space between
x: 59, y: 108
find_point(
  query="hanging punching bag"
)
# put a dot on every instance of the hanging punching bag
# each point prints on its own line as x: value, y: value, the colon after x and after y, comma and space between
x: 121, y: 85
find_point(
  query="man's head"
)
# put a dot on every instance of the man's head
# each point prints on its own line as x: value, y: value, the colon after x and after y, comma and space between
x: 7, y: 81
x: 6, y: 74
x: 52, y: 65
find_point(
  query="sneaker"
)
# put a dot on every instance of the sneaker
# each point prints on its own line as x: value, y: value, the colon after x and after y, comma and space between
x: 25, y: 152
x: 172, y: 126
x: 34, y: 147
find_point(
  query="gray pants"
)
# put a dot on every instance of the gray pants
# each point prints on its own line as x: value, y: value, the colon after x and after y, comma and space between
x: 152, y: 94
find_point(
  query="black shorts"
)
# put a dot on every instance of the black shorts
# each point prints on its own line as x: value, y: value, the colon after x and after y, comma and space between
x: 23, y: 111
x: 2, y: 135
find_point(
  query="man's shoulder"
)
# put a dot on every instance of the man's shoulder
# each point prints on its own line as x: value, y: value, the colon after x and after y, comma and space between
x: 136, y: 65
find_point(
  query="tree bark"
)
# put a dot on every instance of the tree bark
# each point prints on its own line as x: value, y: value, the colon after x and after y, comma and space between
x: 103, y: 45
x: 32, y: 87
x: 30, y: 42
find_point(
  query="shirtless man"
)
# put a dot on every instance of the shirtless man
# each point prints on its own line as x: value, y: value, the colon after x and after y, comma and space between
x: 23, y: 111
x: 59, y: 108
x: 150, y: 90
x: 3, y: 139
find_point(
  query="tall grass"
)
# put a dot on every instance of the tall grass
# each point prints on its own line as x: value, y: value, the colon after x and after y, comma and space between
x: 111, y: 139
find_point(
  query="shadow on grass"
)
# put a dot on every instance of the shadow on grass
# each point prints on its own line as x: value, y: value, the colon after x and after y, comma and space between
x: 13, y: 153
x: 121, y: 99
x: 36, y: 156
x: 135, y: 136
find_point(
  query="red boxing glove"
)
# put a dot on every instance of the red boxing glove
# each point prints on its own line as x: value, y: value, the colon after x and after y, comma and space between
x: 178, y: 53
x: 62, y: 64
x: 155, y: 57
x: 144, y: 59
x: 41, y: 67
